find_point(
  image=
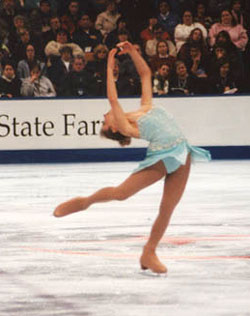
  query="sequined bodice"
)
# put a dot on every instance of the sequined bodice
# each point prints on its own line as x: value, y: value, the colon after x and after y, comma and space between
x: 159, y: 128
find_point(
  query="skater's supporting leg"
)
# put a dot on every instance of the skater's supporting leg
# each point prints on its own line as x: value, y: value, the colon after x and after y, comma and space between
x: 174, y: 186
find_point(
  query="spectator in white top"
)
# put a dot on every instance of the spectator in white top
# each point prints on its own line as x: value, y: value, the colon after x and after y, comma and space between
x: 182, y: 31
x: 150, y: 48
x: 62, y: 39
x: 106, y: 21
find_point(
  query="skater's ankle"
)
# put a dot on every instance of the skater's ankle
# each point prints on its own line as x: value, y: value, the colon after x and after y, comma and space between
x: 149, y: 249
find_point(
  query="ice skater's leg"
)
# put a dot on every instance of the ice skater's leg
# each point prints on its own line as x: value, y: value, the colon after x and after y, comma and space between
x: 174, y: 187
x: 129, y: 187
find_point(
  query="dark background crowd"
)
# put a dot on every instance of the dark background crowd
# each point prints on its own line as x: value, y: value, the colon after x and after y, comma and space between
x: 59, y: 48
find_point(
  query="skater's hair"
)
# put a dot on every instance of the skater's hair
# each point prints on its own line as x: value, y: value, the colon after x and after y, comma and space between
x: 122, y: 140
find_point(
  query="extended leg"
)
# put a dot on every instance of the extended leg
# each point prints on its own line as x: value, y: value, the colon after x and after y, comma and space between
x: 129, y: 187
x: 174, y: 186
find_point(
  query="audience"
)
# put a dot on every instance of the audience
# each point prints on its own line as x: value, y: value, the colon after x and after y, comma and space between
x: 9, y: 84
x: 197, y: 63
x: 195, y: 38
x: 128, y: 70
x: 162, y: 56
x: 166, y: 18
x: 59, y: 68
x: 236, y: 31
x: 18, y: 48
x: 150, y: 47
x: 71, y: 18
x: 161, y: 80
x: 201, y: 16
x: 223, y: 80
x: 25, y: 65
x: 78, y: 81
x: 40, y: 18
x: 106, y: 21
x: 55, y: 26
x: 86, y: 36
x: 148, y: 33
x: 97, y: 68
x: 184, y: 83
x: 112, y: 37
x: 62, y: 39
x: 9, y: 9
x: 125, y: 87
x: 37, y: 85
x: 72, y: 39
x: 182, y: 31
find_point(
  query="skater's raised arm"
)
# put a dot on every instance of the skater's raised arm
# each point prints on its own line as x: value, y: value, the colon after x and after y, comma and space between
x: 143, y: 71
x: 122, y: 123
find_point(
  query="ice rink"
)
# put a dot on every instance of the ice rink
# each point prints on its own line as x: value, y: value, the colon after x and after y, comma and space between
x: 88, y: 263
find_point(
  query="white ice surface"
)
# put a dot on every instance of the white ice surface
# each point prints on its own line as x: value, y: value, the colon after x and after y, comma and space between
x: 87, y: 263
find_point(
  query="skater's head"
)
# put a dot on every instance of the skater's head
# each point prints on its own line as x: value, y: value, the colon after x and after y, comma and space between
x: 110, y: 130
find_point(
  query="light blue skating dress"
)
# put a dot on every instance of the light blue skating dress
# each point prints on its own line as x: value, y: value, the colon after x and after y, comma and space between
x: 166, y: 141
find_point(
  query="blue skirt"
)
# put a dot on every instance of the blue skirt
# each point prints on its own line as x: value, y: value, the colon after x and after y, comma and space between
x: 174, y: 157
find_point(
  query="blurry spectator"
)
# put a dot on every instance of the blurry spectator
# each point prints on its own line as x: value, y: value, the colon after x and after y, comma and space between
x: 8, y: 11
x: 162, y: 56
x: 182, y: 5
x: 19, y: 24
x: 195, y: 37
x: 112, y: 37
x: 176, y: 6
x: 125, y: 86
x: 216, y: 6
x: 18, y: 48
x: 236, y: 31
x: 59, y: 69
x: 223, y: 39
x: 223, y: 80
x: 161, y: 80
x: 196, y: 62
x: 136, y: 13
x: 220, y: 52
x: 37, y: 85
x: 182, y: 31
x: 78, y: 81
x: 4, y: 30
x: 239, y: 14
x: 201, y: 16
x: 150, y: 48
x: 183, y: 83
x: 25, y: 65
x: 4, y: 54
x: 40, y: 18
x: 9, y: 84
x: 71, y: 18
x: 62, y: 39
x: 122, y: 36
x: 127, y: 69
x: 148, y: 33
x: 86, y: 36
x: 166, y: 18
x: 29, y: 5
x: 50, y: 35
x: 97, y: 68
x: 106, y: 21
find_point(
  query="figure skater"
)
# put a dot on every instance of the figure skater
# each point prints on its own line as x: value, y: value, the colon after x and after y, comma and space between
x: 168, y: 155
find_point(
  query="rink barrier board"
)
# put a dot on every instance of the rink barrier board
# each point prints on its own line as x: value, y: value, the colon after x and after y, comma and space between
x: 67, y: 130
x: 106, y: 155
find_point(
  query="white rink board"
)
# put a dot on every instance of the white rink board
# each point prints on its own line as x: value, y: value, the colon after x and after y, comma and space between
x: 75, y: 123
